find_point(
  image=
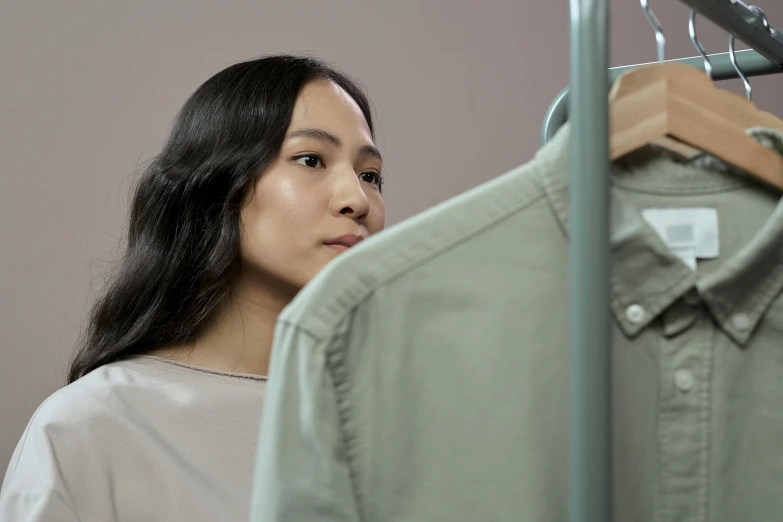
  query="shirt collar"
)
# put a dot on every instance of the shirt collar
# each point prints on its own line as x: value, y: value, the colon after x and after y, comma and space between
x: 646, y: 277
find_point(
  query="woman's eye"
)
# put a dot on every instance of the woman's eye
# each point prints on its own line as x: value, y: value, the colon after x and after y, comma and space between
x: 371, y: 177
x: 311, y: 161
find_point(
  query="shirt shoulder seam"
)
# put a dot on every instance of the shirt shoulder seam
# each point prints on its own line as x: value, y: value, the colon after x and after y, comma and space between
x: 421, y: 260
x: 345, y: 409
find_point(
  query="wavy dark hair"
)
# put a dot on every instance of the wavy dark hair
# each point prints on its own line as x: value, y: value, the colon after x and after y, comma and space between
x: 183, y: 234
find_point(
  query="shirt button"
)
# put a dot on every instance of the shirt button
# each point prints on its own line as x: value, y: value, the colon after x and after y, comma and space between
x: 740, y: 321
x: 683, y: 380
x: 635, y: 314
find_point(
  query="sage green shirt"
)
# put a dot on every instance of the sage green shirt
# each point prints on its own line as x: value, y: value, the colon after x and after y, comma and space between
x: 423, y: 376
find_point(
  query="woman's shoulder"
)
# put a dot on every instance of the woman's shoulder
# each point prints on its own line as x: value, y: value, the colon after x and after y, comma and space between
x: 97, y: 392
x: 111, y: 413
x: 76, y: 403
x: 137, y: 385
x: 72, y: 415
x: 60, y: 434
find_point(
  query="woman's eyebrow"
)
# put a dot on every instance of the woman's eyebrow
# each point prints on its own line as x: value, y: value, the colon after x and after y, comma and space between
x: 370, y: 150
x: 316, y: 134
x: 328, y: 137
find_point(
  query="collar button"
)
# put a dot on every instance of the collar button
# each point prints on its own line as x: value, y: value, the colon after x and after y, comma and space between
x: 740, y: 321
x: 635, y: 314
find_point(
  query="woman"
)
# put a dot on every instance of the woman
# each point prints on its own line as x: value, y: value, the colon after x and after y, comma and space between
x: 270, y: 172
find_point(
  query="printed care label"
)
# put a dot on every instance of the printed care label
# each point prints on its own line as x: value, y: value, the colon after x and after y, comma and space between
x: 690, y: 233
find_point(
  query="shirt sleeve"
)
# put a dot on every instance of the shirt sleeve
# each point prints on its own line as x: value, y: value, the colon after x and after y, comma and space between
x: 302, y: 469
x: 35, y: 505
x: 33, y: 488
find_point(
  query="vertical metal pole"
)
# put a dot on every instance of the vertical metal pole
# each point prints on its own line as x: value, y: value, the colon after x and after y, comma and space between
x: 588, y: 311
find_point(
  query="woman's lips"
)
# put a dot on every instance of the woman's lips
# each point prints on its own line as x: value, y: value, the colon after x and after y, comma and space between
x: 344, y: 242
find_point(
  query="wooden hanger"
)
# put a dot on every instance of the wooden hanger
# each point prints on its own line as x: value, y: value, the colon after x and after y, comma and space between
x: 741, y: 108
x: 677, y: 148
x: 676, y: 101
x: 747, y: 114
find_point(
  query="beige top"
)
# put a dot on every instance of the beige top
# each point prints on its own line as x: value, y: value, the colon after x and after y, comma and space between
x: 423, y: 375
x: 139, y: 440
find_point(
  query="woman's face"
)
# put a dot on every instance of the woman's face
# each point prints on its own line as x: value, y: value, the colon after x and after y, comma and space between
x: 320, y: 197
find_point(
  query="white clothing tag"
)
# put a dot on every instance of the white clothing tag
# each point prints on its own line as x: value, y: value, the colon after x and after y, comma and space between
x: 687, y: 255
x: 690, y: 233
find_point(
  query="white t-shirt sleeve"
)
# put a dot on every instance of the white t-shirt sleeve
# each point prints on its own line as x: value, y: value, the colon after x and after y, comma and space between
x: 35, y: 505
x: 51, y: 451
x: 34, y: 489
x: 135, y: 441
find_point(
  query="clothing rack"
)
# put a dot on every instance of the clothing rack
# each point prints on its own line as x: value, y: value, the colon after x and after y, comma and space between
x: 751, y: 63
x: 589, y: 317
x: 737, y: 18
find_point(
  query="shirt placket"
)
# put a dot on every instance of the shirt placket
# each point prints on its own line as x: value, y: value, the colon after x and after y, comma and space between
x: 683, y: 410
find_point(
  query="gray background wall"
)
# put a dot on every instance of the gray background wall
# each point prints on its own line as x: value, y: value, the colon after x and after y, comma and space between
x: 88, y: 89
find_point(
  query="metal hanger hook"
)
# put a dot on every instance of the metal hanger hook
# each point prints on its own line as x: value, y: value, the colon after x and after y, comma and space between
x: 697, y: 44
x: 733, y: 58
x: 656, y: 25
x: 733, y: 55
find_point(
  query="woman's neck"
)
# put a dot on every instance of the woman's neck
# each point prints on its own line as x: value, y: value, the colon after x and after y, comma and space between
x: 238, y: 338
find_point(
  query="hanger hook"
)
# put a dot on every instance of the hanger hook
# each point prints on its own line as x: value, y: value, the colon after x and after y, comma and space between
x: 656, y: 25
x: 732, y: 54
x: 697, y: 44
x: 733, y: 58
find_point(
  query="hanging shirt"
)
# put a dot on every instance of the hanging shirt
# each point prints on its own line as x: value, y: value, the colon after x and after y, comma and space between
x: 144, y: 439
x: 423, y: 376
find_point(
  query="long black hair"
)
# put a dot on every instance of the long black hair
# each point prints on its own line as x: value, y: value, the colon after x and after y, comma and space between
x: 183, y: 235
